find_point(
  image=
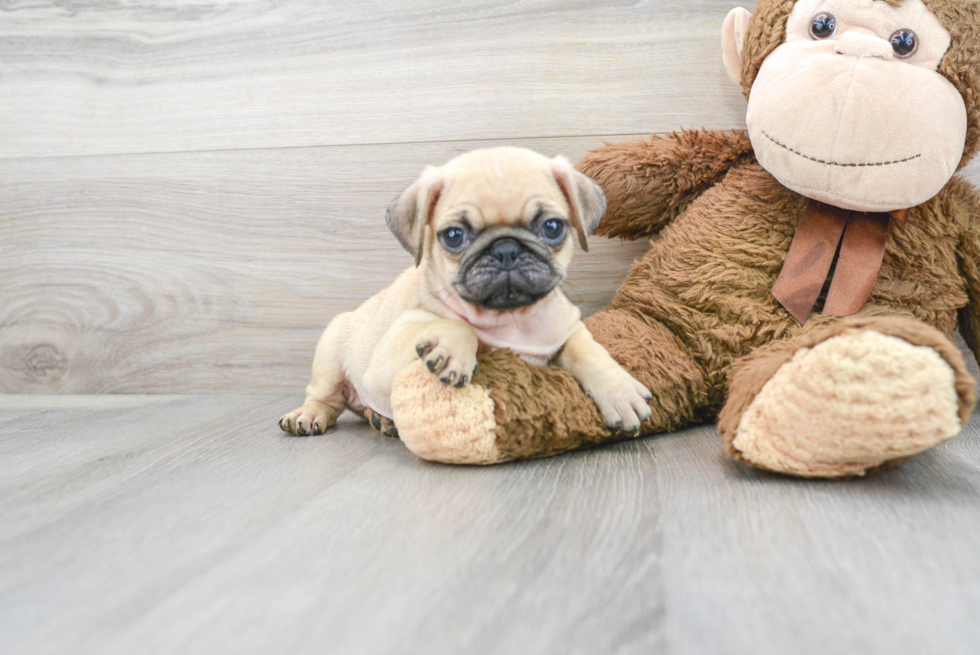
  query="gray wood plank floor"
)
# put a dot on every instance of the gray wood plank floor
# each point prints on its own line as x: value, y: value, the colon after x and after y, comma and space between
x: 189, y: 524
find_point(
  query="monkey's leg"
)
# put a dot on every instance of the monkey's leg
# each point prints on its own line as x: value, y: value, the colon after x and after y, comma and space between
x: 845, y: 398
x: 514, y: 410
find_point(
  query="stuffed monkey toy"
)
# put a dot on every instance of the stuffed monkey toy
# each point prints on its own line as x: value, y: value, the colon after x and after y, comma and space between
x: 808, y: 275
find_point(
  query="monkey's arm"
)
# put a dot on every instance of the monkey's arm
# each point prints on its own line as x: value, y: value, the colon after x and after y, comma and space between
x: 648, y: 183
x: 968, y: 200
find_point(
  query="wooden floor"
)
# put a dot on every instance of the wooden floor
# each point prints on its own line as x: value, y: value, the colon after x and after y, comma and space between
x: 138, y: 524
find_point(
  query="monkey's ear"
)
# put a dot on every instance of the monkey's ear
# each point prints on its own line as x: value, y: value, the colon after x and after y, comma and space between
x: 586, y: 201
x: 733, y: 40
x: 411, y: 212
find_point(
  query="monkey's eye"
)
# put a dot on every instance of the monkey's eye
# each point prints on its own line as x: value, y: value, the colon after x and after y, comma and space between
x: 904, y: 43
x: 454, y: 239
x: 823, y: 26
x: 553, y: 230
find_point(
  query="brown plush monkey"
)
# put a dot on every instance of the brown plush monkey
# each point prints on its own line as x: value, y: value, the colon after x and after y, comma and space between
x: 809, y: 274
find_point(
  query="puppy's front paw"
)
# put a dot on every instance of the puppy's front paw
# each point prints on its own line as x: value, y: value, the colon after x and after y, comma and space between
x: 449, y: 357
x: 622, y: 401
x: 306, y: 421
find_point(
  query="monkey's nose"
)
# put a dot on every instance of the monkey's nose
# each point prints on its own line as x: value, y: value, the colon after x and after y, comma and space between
x: 857, y: 44
x: 506, y: 251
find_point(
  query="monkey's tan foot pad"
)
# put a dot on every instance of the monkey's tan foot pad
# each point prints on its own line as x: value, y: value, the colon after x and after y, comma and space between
x: 442, y: 423
x: 849, y: 404
x: 381, y: 424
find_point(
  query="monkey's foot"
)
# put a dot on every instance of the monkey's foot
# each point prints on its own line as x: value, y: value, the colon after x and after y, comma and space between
x: 857, y: 401
x: 443, y: 423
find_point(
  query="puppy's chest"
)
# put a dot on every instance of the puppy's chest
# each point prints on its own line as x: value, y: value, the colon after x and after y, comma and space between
x: 535, y: 349
x: 535, y: 334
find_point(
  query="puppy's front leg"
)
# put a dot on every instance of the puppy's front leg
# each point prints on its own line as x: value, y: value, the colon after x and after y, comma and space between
x: 448, y: 348
x: 621, y: 400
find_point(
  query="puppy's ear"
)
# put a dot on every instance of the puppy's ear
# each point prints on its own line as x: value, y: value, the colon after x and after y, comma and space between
x: 586, y: 201
x: 411, y: 213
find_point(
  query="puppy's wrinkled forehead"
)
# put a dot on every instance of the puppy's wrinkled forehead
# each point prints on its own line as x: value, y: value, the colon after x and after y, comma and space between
x: 502, y: 186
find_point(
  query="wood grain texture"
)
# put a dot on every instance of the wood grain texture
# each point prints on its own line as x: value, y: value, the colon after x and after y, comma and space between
x: 123, y: 77
x: 190, y: 524
x: 767, y: 564
x: 175, y: 273
x: 233, y: 223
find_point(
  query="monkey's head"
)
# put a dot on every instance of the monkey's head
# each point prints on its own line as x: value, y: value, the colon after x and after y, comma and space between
x: 868, y: 105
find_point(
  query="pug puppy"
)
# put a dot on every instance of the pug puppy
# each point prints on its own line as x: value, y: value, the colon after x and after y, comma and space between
x: 492, y: 233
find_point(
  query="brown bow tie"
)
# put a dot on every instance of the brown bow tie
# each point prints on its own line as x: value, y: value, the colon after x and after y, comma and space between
x: 812, y: 254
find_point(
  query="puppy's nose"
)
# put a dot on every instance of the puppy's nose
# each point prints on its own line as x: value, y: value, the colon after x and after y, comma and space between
x: 506, y: 251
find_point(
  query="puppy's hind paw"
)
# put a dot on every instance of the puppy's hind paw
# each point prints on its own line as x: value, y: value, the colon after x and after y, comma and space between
x: 306, y: 421
x: 382, y: 424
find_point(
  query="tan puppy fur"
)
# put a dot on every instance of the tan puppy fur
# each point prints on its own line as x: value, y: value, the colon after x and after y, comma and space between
x: 492, y: 232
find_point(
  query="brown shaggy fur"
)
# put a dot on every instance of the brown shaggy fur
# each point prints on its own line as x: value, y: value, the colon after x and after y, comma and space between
x: 961, y: 65
x: 538, y: 410
x: 663, y: 177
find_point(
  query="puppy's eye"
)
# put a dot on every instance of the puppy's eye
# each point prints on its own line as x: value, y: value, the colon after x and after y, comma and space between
x: 904, y: 43
x: 823, y: 26
x: 553, y: 230
x: 453, y: 239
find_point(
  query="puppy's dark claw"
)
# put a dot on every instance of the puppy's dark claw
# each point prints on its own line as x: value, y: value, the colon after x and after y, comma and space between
x: 316, y: 430
x: 619, y: 425
x: 462, y: 382
x: 423, y: 349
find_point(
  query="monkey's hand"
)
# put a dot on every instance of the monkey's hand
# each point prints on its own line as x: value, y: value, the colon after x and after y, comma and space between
x: 648, y: 183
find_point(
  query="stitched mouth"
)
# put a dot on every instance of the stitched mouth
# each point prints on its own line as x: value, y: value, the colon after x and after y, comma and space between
x: 835, y: 163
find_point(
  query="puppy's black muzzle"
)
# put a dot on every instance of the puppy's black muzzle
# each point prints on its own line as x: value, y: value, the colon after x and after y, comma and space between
x: 508, y: 272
